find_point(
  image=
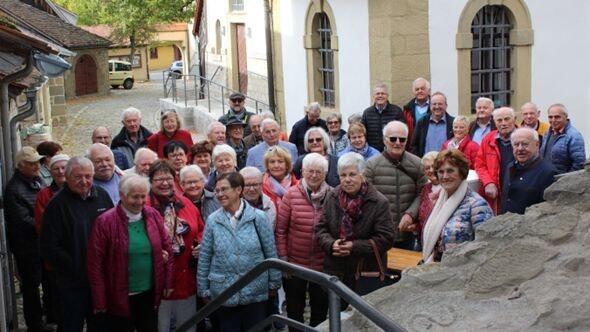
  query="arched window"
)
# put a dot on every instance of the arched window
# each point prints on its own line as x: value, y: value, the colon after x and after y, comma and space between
x: 491, y: 67
x: 218, y: 37
x: 326, y: 63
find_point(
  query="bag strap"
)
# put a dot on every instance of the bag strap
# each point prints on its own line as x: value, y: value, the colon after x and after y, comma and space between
x: 358, y: 272
x: 258, y: 236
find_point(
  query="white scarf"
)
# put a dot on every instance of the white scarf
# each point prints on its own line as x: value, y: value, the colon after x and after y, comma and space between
x: 443, y: 209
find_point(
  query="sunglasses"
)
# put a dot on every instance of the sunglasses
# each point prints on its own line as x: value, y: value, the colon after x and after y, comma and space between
x: 237, y: 100
x: 393, y: 139
x: 314, y: 140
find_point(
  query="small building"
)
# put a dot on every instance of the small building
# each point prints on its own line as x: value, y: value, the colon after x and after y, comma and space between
x: 170, y: 43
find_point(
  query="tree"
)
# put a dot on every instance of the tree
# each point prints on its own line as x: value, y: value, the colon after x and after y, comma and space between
x: 132, y: 21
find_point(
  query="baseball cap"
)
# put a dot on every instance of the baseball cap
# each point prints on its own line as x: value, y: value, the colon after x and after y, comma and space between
x: 27, y: 154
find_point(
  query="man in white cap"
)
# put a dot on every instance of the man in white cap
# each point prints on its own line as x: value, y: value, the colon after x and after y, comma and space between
x: 19, y: 212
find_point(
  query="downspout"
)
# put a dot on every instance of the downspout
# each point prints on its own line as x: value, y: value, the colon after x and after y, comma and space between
x: 5, y: 116
x: 269, y: 57
x: 24, y: 111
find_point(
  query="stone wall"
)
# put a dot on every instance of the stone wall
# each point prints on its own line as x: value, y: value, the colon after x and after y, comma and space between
x: 57, y: 100
x: 101, y: 58
x: 398, y: 45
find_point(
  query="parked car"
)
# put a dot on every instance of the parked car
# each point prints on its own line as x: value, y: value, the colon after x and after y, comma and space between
x: 176, y: 67
x: 121, y: 73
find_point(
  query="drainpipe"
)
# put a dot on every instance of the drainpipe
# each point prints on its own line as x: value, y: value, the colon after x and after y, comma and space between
x: 24, y: 111
x: 269, y: 58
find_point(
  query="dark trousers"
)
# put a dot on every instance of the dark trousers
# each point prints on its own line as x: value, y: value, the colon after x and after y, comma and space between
x: 29, y: 272
x: 296, y: 290
x: 50, y: 299
x: 143, y: 316
x: 76, y: 305
x: 242, y: 317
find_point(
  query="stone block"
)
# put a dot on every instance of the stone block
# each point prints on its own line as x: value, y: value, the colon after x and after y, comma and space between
x: 417, y: 44
x: 56, y: 90
x: 57, y: 110
x: 59, y: 100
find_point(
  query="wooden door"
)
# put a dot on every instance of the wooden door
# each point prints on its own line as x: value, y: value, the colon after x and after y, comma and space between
x: 177, y: 53
x: 242, y: 58
x: 85, y: 72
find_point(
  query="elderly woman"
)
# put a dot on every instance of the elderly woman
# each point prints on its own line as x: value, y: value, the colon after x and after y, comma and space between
x: 299, y: 213
x: 47, y: 149
x: 458, y: 209
x: 355, y: 216
x: 185, y: 228
x: 127, y: 271
x: 462, y: 141
x: 237, y: 238
x: 357, y: 134
x: 192, y: 182
x: 254, y: 196
x: 201, y: 153
x: 316, y: 140
x: 224, y: 161
x: 278, y: 177
x: 429, y: 193
x: 169, y: 131
x: 338, y: 138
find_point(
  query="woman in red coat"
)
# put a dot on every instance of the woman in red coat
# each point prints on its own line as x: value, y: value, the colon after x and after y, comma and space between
x: 279, y: 176
x: 127, y: 260
x: 169, y: 131
x: 299, y: 212
x: 184, y: 225
x: 462, y: 141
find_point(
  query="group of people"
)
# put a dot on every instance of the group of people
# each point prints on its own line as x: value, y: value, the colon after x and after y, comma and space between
x: 147, y: 227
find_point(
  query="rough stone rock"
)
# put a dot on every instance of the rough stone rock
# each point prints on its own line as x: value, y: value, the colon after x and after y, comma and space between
x: 521, y: 273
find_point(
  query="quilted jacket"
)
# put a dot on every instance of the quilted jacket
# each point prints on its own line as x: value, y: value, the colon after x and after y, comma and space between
x: 568, y: 153
x: 227, y: 254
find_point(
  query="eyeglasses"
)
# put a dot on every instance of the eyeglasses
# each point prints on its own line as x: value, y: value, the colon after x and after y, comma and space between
x: 313, y: 172
x: 393, y: 139
x: 333, y: 122
x: 314, y: 140
x: 222, y: 190
x: 192, y: 183
x: 252, y: 185
x: 162, y: 180
x: 177, y: 155
x: 237, y: 101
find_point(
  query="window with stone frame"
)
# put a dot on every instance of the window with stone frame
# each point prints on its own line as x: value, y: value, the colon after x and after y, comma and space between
x: 325, y: 63
x: 237, y: 5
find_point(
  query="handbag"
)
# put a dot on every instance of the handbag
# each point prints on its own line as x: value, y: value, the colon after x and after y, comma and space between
x: 369, y: 281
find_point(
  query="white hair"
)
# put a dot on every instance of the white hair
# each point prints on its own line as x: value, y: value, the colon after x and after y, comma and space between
x: 461, y: 118
x: 142, y: 152
x: 315, y: 106
x: 99, y: 146
x: 532, y: 133
x: 130, y: 111
x: 381, y: 86
x: 430, y: 156
x: 212, y: 126
x: 224, y: 148
x: 501, y: 109
x: 267, y: 122
x: 421, y: 79
x: 130, y: 181
x: 560, y: 106
x: 78, y: 161
x: 251, y: 172
x: 396, y: 123
x: 485, y: 100
x: 530, y: 105
x: 315, y: 159
x: 325, y: 138
x: 351, y: 159
x: 255, y: 116
x: 267, y: 115
x: 191, y: 169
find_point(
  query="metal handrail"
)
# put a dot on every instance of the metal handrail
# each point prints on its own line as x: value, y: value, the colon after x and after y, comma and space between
x: 336, y: 290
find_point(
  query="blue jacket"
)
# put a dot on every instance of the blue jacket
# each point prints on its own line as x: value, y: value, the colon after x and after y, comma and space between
x: 227, y: 254
x: 525, y: 185
x: 371, y: 152
x: 568, y: 153
x: 256, y: 154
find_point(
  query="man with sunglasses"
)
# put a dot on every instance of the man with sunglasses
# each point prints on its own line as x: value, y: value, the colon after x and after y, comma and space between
x: 399, y: 176
x: 238, y: 110
x: 311, y: 119
x: 432, y: 131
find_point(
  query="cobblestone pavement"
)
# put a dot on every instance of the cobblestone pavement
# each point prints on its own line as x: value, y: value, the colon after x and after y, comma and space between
x: 86, y: 113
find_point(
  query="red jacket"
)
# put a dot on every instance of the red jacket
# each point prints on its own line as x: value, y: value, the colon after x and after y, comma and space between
x: 43, y: 198
x: 487, y: 166
x: 295, y: 229
x: 108, y: 260
x: 157, y: 141
x: 185, y: 277
x: 468, y: 147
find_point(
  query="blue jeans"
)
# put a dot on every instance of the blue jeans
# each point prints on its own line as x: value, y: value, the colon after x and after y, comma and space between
x: 77, y: 308
x: 241, y: 317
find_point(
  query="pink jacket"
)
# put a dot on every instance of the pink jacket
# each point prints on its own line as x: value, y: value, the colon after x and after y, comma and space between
x: 108, y: 260
x: 295, y: 229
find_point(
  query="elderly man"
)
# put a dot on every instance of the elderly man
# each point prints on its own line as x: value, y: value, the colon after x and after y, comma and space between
x: 311, y: 119
x: 270, y: 135
x: 377, y: 116
x: 105, y: 174
x: 562, y: 144
x: 419, y: 106
x: 103, y: 135
x: 132, y: 136
x: 144, y: 158
x: 19, y: 212
x: 530, y: 118
x: 253, y: 194
x: 432, y: 131
x: 256, y: 136
x: 399, y: 176
x: 235, y: 129
x: 494, y: 157
x: 483, y: 124
x: 67, y: 223
x: 528, y: 176
x: 216, y: 133
x: 237, y: 109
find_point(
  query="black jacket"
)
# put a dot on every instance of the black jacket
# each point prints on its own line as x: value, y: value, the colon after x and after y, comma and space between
x: 19, y: 210
x: 411, y: 107
x: 300, y: 128
x: 67, y: 223
x: 244, y: 116
x: 419, y: 136
x: 375, y: 121
x: 332, y: 178
x: 123, y: 143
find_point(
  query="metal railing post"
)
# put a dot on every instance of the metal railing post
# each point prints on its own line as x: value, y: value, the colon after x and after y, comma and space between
x: 222, y: 103
x: 209, y: 96
x: 184, y: 86
x: 257, y: 110
x: 334, y: 303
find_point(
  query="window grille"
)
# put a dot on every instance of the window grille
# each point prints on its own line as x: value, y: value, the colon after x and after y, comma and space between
x: 326, y: 63
x: 491, y: 69
x: 238, y: 5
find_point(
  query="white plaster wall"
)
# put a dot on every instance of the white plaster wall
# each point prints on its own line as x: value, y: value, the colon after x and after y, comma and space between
x: 352, y: 24
x: 560, y: 71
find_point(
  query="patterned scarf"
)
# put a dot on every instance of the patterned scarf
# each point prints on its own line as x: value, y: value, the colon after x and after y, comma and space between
x: 175, y: 226
x: 352, y: 211
x: 363, y: 151
x: 316, y: 198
